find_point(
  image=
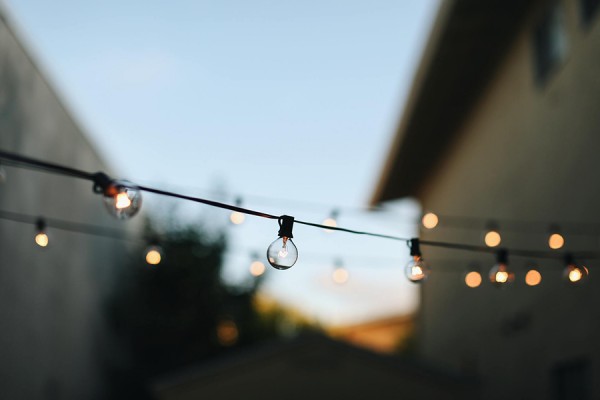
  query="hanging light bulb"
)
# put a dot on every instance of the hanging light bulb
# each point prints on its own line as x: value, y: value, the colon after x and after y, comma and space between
x: 555, y: 239
x: 473, y: 277
x: 331, y: 220
x: 41, y: 238
x: 500, y: 275
x: 430, y: 220
x: 417, y: 269
x: 257, y: 268
x: 282, y: 253
x: 492, y: 237
x: 573, y: 273
x: 122, y: 199
x: 340, y: 274
x: 237, y: 217
x: 533, y: 277
x: 154, y: 254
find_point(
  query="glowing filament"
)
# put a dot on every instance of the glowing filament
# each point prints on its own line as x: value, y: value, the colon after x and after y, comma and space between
x: 284, y: 251
x: 122, y: 201
x: 575, y: 275
x: 501, y: 276
x: 416, y: 270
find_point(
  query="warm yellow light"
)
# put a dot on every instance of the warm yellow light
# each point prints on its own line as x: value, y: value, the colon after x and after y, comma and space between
x: 329, y: 222
x: 237, y: 217
x: 340, y: 275
x: 153, y: 257
x: 533, y: 277
x: 257, y: 268
x: 430, y: 220
x: 41, y: 239
x: 556, y: 241
x: 416, y: 270
x: 501, y: 277
x: 473, y: 279
x: 575, y: 275
x: 492, y: 239
x: 122, y: 201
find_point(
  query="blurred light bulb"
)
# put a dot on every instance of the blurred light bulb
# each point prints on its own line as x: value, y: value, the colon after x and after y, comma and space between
x: 416, y: 270
x: 257, y: 268
x: 556, y: 241
x: 575, y: 274
x: 122, y: 199
x: 430, y: 220
x: 329, y: 222
x: 533, y: 277
x: 500, y: 275
x: 282, y: 253
x: 492, y: 238
x: 41, y: 239
x: 473, y: 279
x: 154, y: 255
x: 340, y: 275
x: 236, y: 217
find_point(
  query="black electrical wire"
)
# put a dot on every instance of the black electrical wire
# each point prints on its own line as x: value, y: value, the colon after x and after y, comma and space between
x: 23, y: 161
x: 64, y: 225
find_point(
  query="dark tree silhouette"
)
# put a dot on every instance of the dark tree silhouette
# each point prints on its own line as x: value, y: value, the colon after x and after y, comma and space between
x: 178, y: 313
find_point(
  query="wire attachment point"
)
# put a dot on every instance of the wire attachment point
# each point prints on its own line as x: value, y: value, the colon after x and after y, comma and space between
x: 286, y: 224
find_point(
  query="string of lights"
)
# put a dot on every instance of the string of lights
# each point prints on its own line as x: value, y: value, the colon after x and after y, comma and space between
x: 417, y: 270
x: 123, y: 200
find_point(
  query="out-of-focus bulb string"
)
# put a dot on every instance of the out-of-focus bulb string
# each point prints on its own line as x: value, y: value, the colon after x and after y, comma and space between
x: 123, y: 200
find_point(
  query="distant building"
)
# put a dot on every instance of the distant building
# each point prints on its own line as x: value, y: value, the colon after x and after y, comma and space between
x: 55, y: 342
x: 385, y: 335
x: 311, y: 367
x: 502, y: 126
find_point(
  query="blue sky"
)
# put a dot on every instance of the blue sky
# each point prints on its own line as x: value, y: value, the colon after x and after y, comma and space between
x: 264, y: 99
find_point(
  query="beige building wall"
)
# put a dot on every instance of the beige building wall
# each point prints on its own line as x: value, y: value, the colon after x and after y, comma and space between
x: 524, y: 153
x: 54, y: 339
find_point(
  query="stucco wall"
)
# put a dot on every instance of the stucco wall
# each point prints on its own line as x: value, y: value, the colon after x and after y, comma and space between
x: 54, y: 340
x: 524, y: 153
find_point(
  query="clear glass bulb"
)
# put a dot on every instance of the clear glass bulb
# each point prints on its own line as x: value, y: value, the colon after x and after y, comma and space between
x: 575, y: 274
x: 416, y: 270
x: 501, y: 276
x: 282, y: 253
x: 154, y: 255
x: 122, y: 199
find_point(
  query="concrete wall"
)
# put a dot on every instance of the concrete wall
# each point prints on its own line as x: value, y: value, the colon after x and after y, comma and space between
x: 524, y: 153
x: 54, y: 340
